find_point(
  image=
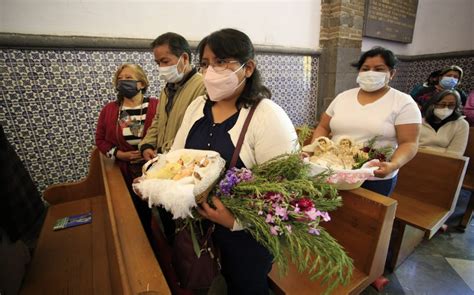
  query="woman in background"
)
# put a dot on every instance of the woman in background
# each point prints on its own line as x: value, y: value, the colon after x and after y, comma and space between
x: 449, y: 78
x: 123, y: 123
x: 375, y: 109
x: 214, y: 122
x: 444, y: 128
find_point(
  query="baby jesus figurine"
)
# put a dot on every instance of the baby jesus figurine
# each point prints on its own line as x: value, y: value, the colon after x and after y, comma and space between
x: 325, y: 154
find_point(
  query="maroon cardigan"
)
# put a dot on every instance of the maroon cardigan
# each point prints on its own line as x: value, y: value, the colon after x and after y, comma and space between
x: 109, y: 134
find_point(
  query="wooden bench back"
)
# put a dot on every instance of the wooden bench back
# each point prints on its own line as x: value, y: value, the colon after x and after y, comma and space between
x: 362, y: 226
x: 92, y: 185
x: 432, y: 178
x: 111, y: 255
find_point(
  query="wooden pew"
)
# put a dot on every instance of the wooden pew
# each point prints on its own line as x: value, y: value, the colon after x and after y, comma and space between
x: 427, y: 191
x: 468, y: 183
x: 362, y: 226
x: 111, y: 255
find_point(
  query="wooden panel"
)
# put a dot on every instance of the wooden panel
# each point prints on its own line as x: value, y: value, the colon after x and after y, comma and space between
x: 405, y: 240
x: 420, y: 214
x: 297, y: 283
x: 432, y: 178
x: 136, y: 261
x: 362, y: 226
x: 53, y: 270
x: 111, y: 255
x: 90, y: 186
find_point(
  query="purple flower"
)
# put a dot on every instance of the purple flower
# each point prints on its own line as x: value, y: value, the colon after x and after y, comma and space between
x: 313, y: 231
x: 312, y: 214
x: 325, y: 216
x: 281, y: 211
x: 274, y: 230
x: 260, y: 212
x: 269, y: 219
x: 233, y: 177
x: 288, y: 228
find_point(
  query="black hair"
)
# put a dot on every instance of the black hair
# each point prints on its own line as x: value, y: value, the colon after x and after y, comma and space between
x: 389, y: 58
x: 177, y: 44
x: 231, y: 43
x: 433, y: 78
x: 428, y: 108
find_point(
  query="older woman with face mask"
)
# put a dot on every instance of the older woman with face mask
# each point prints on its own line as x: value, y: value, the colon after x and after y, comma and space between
x: 444, y: 128
x: 215, y: 122
x: 123, y: 123
x: 375, y: 109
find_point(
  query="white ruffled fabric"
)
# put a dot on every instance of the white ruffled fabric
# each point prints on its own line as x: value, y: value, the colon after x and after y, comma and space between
x: 345, y: 179
x: 179, y: 196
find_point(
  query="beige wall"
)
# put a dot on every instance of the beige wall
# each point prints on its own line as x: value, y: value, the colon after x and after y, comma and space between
x: 288, y: 23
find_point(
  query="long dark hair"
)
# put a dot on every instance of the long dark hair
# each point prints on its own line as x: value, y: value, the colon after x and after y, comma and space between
x: 231, y: 43
x: 428, y: 107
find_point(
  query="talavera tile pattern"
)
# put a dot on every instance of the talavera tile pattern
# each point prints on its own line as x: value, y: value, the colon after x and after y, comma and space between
x: 50, y: 101
x: 410, y: 73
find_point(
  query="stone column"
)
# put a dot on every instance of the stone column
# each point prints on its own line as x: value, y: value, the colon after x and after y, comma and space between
x: 340, y: 42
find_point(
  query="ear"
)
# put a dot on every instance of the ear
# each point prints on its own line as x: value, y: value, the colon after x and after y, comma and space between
x: 392, y: 73
x: 250, y: 66
x: 186, y: 58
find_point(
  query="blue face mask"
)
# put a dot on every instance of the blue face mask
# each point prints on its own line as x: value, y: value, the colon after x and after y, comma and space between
x: 448, y: 82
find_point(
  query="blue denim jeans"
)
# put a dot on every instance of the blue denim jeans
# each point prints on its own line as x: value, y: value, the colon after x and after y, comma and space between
x: 383, y: 187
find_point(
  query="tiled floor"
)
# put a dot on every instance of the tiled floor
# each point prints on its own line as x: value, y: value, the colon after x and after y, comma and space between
x: 443, y: 265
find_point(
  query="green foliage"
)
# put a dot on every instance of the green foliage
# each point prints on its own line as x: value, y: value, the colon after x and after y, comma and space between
x: 320, y: 255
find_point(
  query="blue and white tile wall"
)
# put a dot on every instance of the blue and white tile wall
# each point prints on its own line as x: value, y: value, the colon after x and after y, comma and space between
x: 50, y: 101
x: 410, y: 73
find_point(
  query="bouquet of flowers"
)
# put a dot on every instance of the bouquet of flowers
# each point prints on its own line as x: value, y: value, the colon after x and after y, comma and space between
x: 283, y: 208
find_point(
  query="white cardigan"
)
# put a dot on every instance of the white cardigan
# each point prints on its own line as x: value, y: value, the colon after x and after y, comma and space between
x: 450, y: 138
x: 270, y: 133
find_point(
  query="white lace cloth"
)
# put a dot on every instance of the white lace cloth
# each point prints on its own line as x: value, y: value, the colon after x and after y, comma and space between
x: 179, y: 196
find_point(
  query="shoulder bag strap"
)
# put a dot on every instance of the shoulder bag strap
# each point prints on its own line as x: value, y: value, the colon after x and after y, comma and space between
x: 235, y: 155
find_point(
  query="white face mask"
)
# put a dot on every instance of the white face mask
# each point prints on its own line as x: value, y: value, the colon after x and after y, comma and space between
x: 221, y: 85
x: 443, y: 113
x: 372, y: 81
x: 170, y: 74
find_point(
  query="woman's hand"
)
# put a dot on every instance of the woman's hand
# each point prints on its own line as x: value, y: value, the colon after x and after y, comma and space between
x: 220, y: 214
x: 128, y: 156
x: 148, y: 154
x: 385, y: 168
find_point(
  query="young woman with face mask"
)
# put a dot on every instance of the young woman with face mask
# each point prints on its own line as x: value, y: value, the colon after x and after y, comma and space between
x: 214, y: 122
x: 449, y: 78
x: 444, y: 129
x: 123, y: 123
x: 375, y: 109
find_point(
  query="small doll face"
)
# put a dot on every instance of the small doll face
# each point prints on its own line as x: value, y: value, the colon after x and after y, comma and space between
x: 346, y: 143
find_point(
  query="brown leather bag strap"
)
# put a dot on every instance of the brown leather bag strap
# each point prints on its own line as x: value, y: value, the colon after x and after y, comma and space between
x: 235, y: 156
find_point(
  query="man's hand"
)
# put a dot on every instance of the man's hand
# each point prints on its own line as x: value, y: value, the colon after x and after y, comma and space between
x: 149, y: 154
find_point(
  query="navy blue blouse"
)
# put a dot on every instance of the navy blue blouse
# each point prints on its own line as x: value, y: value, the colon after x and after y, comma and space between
x: 207, y: 135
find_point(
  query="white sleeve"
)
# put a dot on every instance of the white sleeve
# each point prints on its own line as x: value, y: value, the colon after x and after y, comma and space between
x: 274, y: 133
x: 409, y: 113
